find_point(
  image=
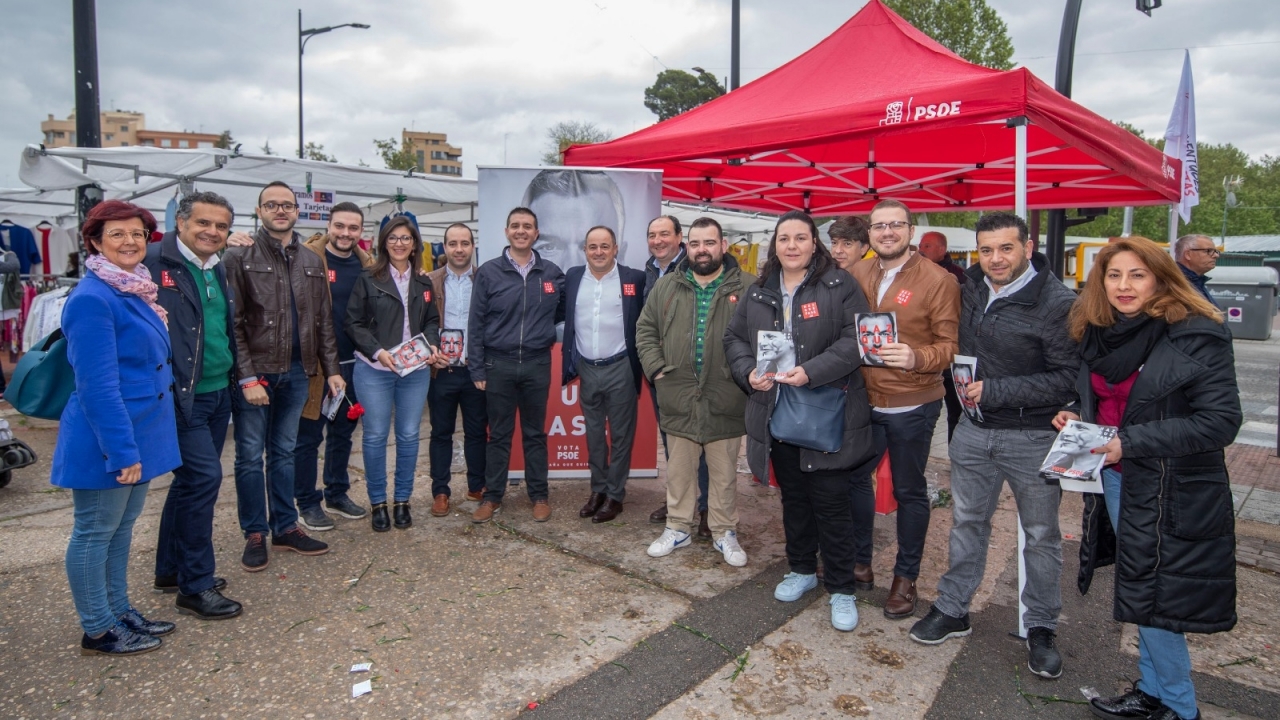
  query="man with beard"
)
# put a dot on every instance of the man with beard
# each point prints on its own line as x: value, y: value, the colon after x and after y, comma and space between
x: 680, y: 341
x: 343, y: 262
x: 283, y: 334
x: 906, y: 393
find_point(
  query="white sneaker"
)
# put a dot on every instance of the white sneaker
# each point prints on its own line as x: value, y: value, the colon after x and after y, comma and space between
x: 794, y: 585
x: 669, y: 540
x: 844, y: 612
x: 733, y: 552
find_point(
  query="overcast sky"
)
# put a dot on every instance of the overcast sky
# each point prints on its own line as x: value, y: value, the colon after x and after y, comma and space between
x: 495, y: 75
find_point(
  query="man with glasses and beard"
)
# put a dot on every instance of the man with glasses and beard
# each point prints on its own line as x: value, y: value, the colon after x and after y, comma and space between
x: 284, y: 334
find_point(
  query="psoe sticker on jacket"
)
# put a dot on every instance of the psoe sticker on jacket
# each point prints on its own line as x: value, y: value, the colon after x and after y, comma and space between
x: 426, y: 296
x: 549, y: 288
x: 166, y: 280
x: 333, y: 276
x: 809, y: 310
x: 903, y: 297
x: 629, y: 289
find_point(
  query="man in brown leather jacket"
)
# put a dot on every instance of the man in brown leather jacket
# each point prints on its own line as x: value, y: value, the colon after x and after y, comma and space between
x: 906, y: 394
x: 283, y: 334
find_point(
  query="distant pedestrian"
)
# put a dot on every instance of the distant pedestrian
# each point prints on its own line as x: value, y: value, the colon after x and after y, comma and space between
x: 1197, y: 256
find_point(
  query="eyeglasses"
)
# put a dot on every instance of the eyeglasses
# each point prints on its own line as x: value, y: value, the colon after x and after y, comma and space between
x: 120, y: 235
x: 274, y: 206
x: 1211, y: 252
x: 399, y: 239
x: 895, y: 226
x: 210, y: 291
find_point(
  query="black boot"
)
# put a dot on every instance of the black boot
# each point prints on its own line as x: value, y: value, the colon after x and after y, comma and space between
x: 381, y: 522
x: 401, y: 514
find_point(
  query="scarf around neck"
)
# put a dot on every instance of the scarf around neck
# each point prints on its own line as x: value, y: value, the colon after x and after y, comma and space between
x: 137, y: 282
x: 1118, y: 351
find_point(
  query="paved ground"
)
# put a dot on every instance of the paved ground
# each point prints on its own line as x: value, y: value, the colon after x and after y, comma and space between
x: 480, y: 621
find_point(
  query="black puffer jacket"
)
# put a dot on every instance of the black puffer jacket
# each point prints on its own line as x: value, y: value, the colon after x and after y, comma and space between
x: 1175, y: 554
x: 826, y: 347
x: 1026, y: 360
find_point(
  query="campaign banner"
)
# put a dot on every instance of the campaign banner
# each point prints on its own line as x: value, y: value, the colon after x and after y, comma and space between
x: 314, y: 208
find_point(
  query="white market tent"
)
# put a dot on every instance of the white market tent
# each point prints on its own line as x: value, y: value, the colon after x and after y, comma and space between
x: 151, y: 177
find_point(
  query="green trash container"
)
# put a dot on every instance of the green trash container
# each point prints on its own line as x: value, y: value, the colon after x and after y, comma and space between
x: 1248, y: 297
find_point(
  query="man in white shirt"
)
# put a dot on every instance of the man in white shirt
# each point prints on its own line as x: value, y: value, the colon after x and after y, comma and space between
x: 602, y: 304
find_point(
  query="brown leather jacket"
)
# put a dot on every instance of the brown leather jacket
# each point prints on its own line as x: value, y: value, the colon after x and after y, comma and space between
x: 926, y: 300
x: 263, y: 321
x: 317, y: 388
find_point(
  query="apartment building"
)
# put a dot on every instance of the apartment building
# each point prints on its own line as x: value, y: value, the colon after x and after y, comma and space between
x: 123, y: 128
x: 434, y: 153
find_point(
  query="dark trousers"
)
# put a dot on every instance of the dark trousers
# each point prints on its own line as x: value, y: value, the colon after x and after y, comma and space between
x: 608, y: 396
x: 907, y: 437
x: 816, y: 512
x: 704, y: 477
x: 450, y: 390
x: 185, y: 546
x: 954, y: 411
x: 336, y: 436
x: 513, y: 385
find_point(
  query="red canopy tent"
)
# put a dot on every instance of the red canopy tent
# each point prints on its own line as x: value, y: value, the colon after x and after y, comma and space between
x: 880, y: 110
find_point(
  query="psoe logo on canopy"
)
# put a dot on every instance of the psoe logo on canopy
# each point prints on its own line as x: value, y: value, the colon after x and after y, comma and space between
x: 895, y: 112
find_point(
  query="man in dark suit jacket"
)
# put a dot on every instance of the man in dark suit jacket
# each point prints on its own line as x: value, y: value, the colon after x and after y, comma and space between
x: 602, y: 303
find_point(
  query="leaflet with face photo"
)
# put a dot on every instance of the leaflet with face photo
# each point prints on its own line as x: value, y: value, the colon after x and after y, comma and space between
x: 1070, y: 460
x: 410, y: 355
x: 330, y: 404
x: 875, y: 330
x: 775, y: 353
x: 451, y: 347
x: 964, y: 372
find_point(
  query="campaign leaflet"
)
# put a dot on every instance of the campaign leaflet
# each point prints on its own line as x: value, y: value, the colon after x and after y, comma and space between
x: 775, y: 353
x: 875, y: 330
x: 1070, y: 460
x: 451, y: 346
x: 964, y: 372
x: 410, y: 355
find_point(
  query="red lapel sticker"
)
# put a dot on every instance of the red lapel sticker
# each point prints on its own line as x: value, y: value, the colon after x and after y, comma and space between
x: 426, y: 296
x: 809, y: 310
x: 333, y: 276
x: 166, y: 279
x: 629, y: 289
x: 548, y: 288
x: 733, y: 298
x: 903, y: 297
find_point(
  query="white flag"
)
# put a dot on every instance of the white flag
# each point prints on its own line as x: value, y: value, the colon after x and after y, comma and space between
x: 1180, y: 141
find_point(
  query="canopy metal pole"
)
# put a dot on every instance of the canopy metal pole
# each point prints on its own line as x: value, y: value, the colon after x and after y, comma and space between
x: 1020, y: 168
x: 734, y: 45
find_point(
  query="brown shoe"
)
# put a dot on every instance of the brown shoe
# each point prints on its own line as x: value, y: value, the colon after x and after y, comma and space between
x: 476, y: 496
x: 863, y: 578
x: 659, y: 516
x: 902, y: 599
x: 440, y: 507
x: 610, y: 510
x: 541, y: 511
x: 485, y: 512
x: 593, y: 504
x: 704, y: 531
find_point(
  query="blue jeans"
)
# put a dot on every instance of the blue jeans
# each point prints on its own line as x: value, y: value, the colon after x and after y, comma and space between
x: 185, y: 547
x: 336, y: 437
x: 981, y: 461
x: 98, y: 554
x: 380, y: 393
x: 271, y: 429
x: 1163, y: 659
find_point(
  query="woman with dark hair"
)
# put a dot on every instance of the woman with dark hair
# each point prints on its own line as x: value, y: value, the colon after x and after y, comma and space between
x: 118, y: 429
x: 390, y: 304
x: 1158, y: 364
x: 802, y: 292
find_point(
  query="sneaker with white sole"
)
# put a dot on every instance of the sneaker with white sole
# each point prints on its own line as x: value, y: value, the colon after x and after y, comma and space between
x: 794, y: 585
x: 844, y: 612
x: 669, y: 540
x: 733, y: 552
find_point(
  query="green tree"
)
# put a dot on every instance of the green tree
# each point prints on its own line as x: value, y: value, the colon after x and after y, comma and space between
x: 676, y: 91
x: 316, y: 152
x: 397, y: 156
x: 225, y: 141
x: 969, y: 28
x: 564, y: 134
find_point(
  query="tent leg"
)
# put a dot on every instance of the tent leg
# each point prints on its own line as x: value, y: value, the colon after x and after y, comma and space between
x: 1020, y: 170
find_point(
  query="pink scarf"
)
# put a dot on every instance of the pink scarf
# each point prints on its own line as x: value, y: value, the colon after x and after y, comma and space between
x: 137, y: 282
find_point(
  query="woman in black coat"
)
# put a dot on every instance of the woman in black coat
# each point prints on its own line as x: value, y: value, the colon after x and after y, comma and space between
x: 1158, y: 365
x: 802, y: 292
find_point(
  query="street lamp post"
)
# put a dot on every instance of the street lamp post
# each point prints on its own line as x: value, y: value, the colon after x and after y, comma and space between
x: 303, y: 37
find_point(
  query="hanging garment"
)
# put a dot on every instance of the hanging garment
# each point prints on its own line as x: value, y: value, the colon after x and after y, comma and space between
x: 22, y: 242
x: 55, y: 243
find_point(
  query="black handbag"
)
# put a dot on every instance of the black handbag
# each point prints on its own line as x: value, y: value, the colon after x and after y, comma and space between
x: 810, y: 418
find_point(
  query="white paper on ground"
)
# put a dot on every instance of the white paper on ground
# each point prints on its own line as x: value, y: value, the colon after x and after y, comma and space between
x: 361, y: 667
x: 361, y: 688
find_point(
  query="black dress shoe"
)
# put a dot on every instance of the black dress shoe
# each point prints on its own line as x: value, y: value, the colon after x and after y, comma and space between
x: 155, y: 628
x: 659, y: 516
x: 381, y: 520
x: 1132, y: 704
x: 207, y: 605
x: 401, y: 515
x: 168, y: 584
x: 610, y: 510
x: 119, y: 640
x: 593, y: 504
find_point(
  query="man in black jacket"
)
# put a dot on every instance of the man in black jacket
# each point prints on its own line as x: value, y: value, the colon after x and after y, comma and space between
x: 193, y: 290
x: 1014, y: 321
x: 517, y: 299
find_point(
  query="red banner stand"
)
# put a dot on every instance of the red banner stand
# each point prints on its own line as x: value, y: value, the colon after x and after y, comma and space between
x: 885, y: 503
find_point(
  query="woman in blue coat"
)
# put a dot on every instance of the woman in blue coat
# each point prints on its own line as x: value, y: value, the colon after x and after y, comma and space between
x: 118, y: 429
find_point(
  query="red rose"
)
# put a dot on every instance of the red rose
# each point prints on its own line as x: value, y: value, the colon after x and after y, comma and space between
x: 355, y: 411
